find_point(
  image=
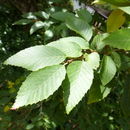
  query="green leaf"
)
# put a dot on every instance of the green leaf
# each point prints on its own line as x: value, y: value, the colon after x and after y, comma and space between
x: 23, y: 22
x: 40, y: 85
x: 97, y: 92
x: 93, y: 60
x: 48, y: 34
x: 62, y: 16
x: 114, y: 24
x: 36, y: 57
x: 98, y: 2
x: 119, y: 39
x: 79, y: 26
x: 36, y: 26
x: 116, y: 58
x: 84, y: 15
x: 80, y: 77
x: 118, y: 2
x: 78, y: 40
x: 125, y: 9
x: 47, y: 24
x: 98, y: 43
x: 29, y: 15
x: 42, y: 14
x: 71, y: 49
x: 29, y: 126
x: 108, y: 70
x: 125, y: 62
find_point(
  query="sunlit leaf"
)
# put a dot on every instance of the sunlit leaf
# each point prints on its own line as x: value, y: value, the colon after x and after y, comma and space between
x: 36, y: 57
x: 71, y: 49
x: 78, y: 82
x: 36, y: 26
x: 40, y: 85
x: 93, y: 60
x: 119, y: 39
x: 108, y: 70
x: 79, y: 26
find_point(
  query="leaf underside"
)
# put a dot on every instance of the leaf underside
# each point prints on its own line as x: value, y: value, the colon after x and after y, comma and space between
x: 37, y: 57
x: 78, y: 82
x: 40, y: 85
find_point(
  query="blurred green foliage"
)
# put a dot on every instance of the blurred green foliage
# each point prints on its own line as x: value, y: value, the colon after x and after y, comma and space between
x: 104, y: 115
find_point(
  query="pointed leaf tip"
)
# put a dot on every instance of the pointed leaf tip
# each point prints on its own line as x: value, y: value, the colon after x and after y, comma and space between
x: 37, y: 57
x: 80, y: 78
x: 40, y: 85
